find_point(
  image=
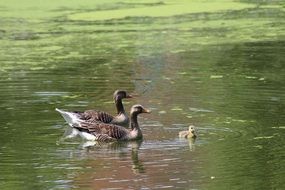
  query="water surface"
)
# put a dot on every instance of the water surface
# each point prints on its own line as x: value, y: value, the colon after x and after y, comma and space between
x: 219, y: 66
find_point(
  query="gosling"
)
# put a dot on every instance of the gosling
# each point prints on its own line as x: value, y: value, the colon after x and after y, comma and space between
x: 191, y: 133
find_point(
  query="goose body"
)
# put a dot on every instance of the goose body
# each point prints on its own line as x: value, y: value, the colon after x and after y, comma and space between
x: 93, y: 116
x: 191, y: 133
x: 106, y: 132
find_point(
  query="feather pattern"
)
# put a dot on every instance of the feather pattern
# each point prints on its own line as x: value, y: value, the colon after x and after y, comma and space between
x: 92, y: 116
x: 111, y: 132
x: 102, y: 129
x: 95, y: 115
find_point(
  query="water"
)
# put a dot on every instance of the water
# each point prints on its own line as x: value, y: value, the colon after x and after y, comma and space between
x: 219, y: 66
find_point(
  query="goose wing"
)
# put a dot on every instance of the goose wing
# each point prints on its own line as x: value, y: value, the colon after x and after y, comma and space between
x: 95, y: 115
x: 104, y: 130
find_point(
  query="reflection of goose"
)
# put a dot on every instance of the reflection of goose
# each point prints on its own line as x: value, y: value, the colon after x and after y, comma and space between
x: 118, y: 147
x: 138, y: 166
x: 191, y: 143
x: 191, y: 133
x: 113, y: 146
x: 109, y: 132
x: 93, y: 115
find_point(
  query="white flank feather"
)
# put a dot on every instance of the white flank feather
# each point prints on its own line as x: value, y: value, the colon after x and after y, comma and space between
x: 87, y: 136
x: 70, y: 118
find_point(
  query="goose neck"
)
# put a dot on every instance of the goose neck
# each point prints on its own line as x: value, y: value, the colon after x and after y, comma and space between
x: 134, y: 121
x: 119, y: 106
x: 135, y: 132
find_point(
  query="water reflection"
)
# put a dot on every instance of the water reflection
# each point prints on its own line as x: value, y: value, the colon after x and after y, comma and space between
x: 222, y: 71
x: 191, y: 144
x: 137, y: 166
x: 119, y: 147
x: 119, y: 158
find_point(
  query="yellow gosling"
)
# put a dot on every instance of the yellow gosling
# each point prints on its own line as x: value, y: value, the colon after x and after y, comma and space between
x: 191, y: 133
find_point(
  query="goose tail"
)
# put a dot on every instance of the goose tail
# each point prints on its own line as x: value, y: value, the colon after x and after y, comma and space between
x: 70, y: 117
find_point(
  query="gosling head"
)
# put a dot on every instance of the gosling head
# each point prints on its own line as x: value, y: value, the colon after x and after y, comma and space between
x: 192, y: 131
x: 191, y: 128
x: 138, y: 109
x: 121, y: 94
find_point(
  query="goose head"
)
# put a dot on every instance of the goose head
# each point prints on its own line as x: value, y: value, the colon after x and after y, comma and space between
x: 138, y: 109
x: 121, y: 94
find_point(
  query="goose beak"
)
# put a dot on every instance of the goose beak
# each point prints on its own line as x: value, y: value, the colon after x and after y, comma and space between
x: 146, y: 111
x: 132, y: 95
x: 129, y: 96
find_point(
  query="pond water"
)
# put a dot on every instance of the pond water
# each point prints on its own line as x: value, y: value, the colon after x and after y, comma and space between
x: 217, y: 65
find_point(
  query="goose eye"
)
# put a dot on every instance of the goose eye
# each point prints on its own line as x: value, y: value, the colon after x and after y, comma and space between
x: 138, y: 109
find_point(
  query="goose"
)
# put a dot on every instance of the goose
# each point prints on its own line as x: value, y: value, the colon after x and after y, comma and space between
x: 93, y: 116
x: 191, y: 133
x: 107, y: 132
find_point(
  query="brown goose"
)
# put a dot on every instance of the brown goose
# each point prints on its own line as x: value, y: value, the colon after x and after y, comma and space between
x: 94, y: 115
x: 191, y: 133
x: 110, y: 132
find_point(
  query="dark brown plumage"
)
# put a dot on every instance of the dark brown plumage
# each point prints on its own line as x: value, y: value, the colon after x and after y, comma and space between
x: 92, y: 116
x: 110, y: 132
x: 121, y: 118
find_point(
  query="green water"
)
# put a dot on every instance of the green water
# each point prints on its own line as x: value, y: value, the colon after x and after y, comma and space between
x: 216, y: 64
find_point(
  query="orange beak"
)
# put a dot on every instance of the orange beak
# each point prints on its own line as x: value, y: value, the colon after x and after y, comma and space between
x: 129, y: 96
x: 146, y: 111
x: 133, y: 95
